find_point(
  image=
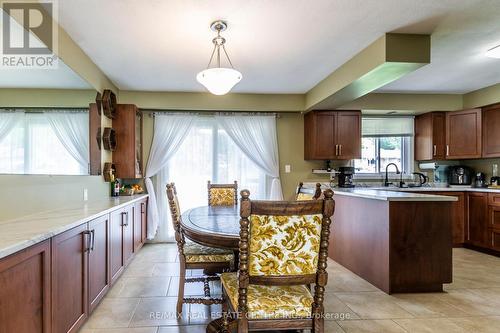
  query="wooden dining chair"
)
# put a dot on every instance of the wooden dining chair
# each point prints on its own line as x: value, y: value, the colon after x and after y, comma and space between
x: 283, y: 250
x: 308, y: 193
x: 222, y: 194
x: 196, y: 256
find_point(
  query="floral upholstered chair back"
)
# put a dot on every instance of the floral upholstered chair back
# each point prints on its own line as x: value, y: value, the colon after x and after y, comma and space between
x: 308, y: 193
x: 175, y: 212
x: 222, y: 194
x: 285, y: 237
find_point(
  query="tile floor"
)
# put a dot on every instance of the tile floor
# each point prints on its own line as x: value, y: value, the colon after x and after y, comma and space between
x: 143, y: 300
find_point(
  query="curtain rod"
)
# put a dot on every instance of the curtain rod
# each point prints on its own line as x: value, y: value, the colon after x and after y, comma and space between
x: 152, y: 113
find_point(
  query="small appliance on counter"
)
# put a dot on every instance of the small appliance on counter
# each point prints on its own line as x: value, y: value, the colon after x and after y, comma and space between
x: 421, y: 180
x: 480, y: 180
x: 346, y: 177
x: 459, y: 175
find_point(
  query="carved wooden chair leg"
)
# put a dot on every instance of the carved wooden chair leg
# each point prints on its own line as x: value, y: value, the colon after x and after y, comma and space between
x: 180, y: 295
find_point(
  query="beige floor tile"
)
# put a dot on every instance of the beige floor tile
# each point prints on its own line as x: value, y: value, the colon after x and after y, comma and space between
x: 116, y: 288
x: 471, y: 303
x: 372, y: 326
x: 490, y: 294
x: 427, y: 305
x: 139, y: 269
x: 166, y: 269
x: 159, y: 311
x: 121, y: 330
x: 200, y: 314
x: 332, y: 327
x: 478, y: 324
x: 335, y: 309
x: 373, y: 305
x: 194, y: 288
x: 429, y: 325
x: 346, y: 281
x: 183, y: 329
x: 144, y: 286
x: 113, y: 313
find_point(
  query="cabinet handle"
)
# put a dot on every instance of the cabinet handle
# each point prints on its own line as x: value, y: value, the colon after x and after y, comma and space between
x: 126, y: 215
x: 92, y: 244
x: 340, y: 150
x: 142, y: 208
x: 434, y: 150
x: 336, y: 150
x: 447, y: 150
x: 87, y: 236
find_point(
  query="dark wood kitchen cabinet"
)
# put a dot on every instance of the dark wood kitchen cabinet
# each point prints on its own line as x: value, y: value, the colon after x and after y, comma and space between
x: 491, y: 131
x: 332, y: 135
x: 99, y: 253
x: 69, y: 279
x: 25, y: 300
x: 430, y: 136
x: 128, y: 234
x: 477, y: 219
x: 127, y: 156
x: 121, y: 239
x: 140, y: 227
x: 463, y: 134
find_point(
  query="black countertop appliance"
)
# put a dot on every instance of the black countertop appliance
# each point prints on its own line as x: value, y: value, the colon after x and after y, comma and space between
x: 346, y: 176
x: 459, y: 175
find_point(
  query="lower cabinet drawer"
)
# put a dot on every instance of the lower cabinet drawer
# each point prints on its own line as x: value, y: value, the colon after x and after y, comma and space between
x: 494, y: 217
x: 494, y: 239
x: 494, y: 199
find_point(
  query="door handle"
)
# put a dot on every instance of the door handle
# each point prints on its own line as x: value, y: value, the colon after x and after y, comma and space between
x: 87, y: 236
x: 126, y: 219
x: 434, y: 151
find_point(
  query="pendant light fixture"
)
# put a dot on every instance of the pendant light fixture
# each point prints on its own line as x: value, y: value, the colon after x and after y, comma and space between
x: 219, y: 80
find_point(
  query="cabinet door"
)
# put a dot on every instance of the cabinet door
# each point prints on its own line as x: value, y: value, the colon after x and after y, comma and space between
x: 69, y: 279
x: 491, y: 131
x: 25, y: 290
x: 438, y: 136
x: 319, y: 135
x: 477, y: 221
x: 116, y: 243
x: 127, y: 156
x: 424, y: 137
x: 494, y: 217
x: 348, y: 135
x: 128, y: 234
x: 144, y: 220
x: 494, y: 239
x: 138, y: 224
x: 463, y: 134
x: 457, y: 216
x: 99, y: 274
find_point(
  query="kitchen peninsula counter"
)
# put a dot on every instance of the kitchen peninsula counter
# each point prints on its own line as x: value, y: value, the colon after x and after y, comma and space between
x: 398, y: 241
x: 20, y: 233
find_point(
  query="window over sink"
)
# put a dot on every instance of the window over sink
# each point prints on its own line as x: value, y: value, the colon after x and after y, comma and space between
x: 385, y: 140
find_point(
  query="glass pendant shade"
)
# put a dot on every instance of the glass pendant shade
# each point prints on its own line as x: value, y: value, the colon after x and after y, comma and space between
x: 219, y: 81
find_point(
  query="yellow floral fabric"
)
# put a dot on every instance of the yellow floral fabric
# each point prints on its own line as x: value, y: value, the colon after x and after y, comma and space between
x: 304, y: 196
x: 222, y: 196
x: 270, y: 302
x: 284, y: 245
x: 195, y: 252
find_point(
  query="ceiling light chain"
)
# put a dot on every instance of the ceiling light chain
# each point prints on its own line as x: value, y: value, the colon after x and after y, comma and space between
x: 219, y: 80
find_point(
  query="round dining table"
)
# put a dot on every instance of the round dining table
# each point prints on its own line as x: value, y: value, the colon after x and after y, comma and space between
x: 214, y: 226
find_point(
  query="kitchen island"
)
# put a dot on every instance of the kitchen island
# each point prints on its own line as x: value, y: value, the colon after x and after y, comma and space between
x: 399, y: 242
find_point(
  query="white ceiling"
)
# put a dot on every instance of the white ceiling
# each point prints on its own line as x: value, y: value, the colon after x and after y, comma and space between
x: 280, y: 46
x: 58, y: 77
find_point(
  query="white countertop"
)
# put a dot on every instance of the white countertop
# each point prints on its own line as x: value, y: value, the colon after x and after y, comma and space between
x: 389, y: 195
x: 445, y: 189
x: 20, y: 233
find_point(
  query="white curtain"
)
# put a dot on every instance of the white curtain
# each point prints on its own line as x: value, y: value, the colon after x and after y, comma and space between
x: 169, y: 133
x: 72, y: 129
x: 8, y: 120
x: 257, y: 137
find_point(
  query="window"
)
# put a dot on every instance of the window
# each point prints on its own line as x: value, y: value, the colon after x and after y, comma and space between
x: 209, y: 154
x: 386, y: 140
x: 33, y: 147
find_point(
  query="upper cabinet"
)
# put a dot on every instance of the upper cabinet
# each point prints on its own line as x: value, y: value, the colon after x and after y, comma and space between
x: 332, y: 135
x: 430, y: 136
x: 463, y: 134
x: 127, y: 156
x: 491, y: 131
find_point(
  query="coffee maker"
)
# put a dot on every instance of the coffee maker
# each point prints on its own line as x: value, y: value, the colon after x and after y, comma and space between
x: 346, y: 177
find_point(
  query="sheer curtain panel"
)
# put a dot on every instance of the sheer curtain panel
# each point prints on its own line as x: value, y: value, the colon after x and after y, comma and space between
x: 8, y: 120
x: 169, y: 133
x: 257, y: 138
x: 72, y: 129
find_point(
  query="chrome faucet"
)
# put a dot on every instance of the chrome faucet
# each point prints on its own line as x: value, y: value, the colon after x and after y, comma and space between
x: 386, y: 182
